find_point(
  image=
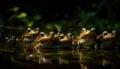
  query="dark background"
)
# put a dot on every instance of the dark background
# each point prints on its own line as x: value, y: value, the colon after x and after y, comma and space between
x: 52, y: 10
x: 59, y: 15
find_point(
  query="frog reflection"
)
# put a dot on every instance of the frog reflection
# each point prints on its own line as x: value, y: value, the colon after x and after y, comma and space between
x: 98, y: 60
x: 38, y: 58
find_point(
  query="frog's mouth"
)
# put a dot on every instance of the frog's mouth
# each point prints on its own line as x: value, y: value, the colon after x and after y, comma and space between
x: 109, y: 36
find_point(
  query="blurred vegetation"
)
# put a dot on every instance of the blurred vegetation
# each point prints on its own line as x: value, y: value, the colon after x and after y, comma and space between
x: 102, y: 14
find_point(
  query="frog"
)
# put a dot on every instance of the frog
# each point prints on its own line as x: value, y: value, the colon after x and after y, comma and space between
x: 108, y: 40
x: 11, y: 39
x: 36, y: 44
x: 27, y: 38
x: 86, y: 39
x: 11, y: 42
x: 65, y: 40
x: 45, y: 41
x: 29, y: 35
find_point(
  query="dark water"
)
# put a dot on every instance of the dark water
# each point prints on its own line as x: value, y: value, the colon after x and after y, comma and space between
x: 60, y: 59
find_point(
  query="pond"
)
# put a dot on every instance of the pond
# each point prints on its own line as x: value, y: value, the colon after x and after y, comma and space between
x: 60, y: 59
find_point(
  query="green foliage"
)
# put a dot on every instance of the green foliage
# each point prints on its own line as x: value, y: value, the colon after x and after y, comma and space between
x: 15, y: 9
x: 20, y: 20
x: 21, y: 15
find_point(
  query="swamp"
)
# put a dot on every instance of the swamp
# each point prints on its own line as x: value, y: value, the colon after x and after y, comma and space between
x: 61, y: 34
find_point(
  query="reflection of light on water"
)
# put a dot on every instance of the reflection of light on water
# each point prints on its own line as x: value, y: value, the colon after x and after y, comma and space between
x: 102, y: 59
x: 59, y: 57
x: 86, y: 59
x: 39, y: 57
x: 29, y: 56
x: 42, y: 60
x: 106, y: 62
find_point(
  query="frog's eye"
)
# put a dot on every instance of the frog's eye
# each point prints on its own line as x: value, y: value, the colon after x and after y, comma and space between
x: 83, y: 29
x: 51, y: 33
x: 105, y: 33
x: 113, y: 31
x: 6, y: 38
x: 28, y: 29
x: 13, y: 37
x: 69, y: 34
x: 62, y: 36
x: 37, y: 29
x: 92, y: 29
x: 42, y: 33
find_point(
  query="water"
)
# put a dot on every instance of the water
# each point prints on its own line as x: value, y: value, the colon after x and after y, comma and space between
x: 60, y: 59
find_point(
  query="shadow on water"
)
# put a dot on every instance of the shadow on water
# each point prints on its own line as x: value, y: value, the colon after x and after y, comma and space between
x: 60, y: 59
x: 18, y: 61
